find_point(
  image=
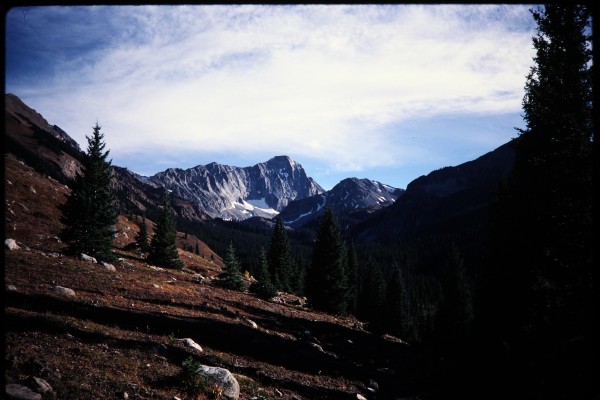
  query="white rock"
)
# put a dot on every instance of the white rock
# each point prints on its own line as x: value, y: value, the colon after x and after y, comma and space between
x: 250, y: 323
x: 360, y: 397
x: 11, y: 244
x: 64, y: 290
x: 224, y: 379
x: 108, y: 266
x: 41, y: 385
x: 91, y: 259
x: 16, y: 391
x: 316, y: 347
x: 190, y: 342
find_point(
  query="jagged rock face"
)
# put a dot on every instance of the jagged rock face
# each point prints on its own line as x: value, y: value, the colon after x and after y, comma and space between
x: 229, y: 192
x: 349, y: 195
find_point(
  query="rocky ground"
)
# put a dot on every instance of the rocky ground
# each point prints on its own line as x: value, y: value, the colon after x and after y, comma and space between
x: 117, y: 333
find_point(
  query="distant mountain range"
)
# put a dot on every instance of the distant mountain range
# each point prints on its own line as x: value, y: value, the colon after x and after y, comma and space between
x: 369, y: 210
x: 349, y: 195
x: 228, y: 192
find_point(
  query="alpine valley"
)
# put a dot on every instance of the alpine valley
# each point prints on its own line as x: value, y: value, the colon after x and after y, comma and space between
x: 125, y: 332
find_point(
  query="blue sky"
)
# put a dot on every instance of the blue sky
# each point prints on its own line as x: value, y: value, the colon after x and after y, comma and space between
x: 386, y: 92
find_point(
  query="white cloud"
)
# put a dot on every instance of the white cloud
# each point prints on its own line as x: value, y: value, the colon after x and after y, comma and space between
x: 324, y: 82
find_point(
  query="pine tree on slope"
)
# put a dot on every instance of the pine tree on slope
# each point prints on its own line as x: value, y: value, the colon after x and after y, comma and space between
x: 280, y: 260
x: 263, y: 286
x: 163, y: 247
x: 537, y: 295
x: 326, y: 285
x: 230, y: 277
x: 142, y: 238
x: 90, y: 213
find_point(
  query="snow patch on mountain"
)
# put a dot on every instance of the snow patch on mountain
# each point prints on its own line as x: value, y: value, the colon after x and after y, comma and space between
x: 234, y: 193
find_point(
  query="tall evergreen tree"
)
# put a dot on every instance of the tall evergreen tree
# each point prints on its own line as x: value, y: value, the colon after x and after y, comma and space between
x: 353, y: 279
x: 142, y: 238
x: 279, y: 257
x: 455, y: 316
x: 230, y: 277
x: 326, y: 285
x: 372, y: 296
x: 163, y: 247
x: 263, y: 286
x: 90, y: 213
x: 399, y: 319
x: 538, y: 293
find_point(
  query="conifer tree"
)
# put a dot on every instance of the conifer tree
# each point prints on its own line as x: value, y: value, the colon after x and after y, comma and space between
x: 142, y: 239
x: 263, y: 286
x: 372, y: 299
x: 90, y: 213
x: 353, y: 279
x: 326, y: 285
x: 230, y: 277
x: 279, y: 257
x: 537, y: 294
x: 455, y: 316
x: 298, y: 277
x: 397, y: 305
x: 163, y: 247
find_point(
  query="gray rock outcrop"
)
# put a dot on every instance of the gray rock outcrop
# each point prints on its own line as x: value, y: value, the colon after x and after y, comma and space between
x: 229, y: 192
x: 224, y: 379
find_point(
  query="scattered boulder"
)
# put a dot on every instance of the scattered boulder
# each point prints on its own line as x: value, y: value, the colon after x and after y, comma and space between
x: 190, y: 343
x: 11, y: 244
x: 40, y: 385
x: 290, y: 299
x: 32, y: 189
x: 360, y: 397
x: 223, y: 378
x: 250, y: 323
x: 91, y: 259
x: 316, y: 347
x: 20, y: 392
x: 11, y: 288
x: 65, y: 291
x: 108, y: 267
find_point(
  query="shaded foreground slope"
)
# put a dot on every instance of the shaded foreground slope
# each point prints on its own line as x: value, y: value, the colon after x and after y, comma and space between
x: 118, y: 333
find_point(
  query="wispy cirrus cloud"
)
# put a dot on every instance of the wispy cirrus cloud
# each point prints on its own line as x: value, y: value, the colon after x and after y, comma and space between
x: 328, y: 83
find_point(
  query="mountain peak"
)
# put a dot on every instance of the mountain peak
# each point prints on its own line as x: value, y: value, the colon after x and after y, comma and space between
x: 347, y: 196
x: 239, y: 193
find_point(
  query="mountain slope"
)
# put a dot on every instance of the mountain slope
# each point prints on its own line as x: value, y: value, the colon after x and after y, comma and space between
x: 120, y: 332
x: 51, y: 151
x: 45, y: 147
x: 445, y: 194
x: 238, y: 193
x: 349, y: 195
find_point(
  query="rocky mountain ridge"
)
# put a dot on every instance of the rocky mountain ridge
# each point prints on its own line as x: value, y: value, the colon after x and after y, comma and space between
x: 349, y: 195
x: 229, y: 192
x: 450, y: 193
x: 203, y: 192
